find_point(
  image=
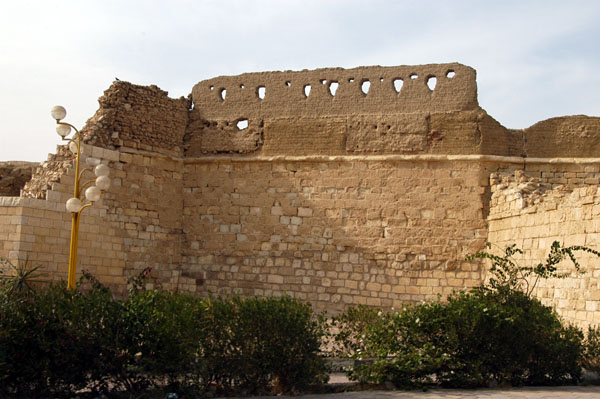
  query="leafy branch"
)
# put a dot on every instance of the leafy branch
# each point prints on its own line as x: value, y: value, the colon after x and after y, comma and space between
x: 507, y: 275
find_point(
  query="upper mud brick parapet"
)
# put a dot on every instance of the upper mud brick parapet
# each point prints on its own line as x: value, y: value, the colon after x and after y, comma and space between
x: 335, y: 111
x: 567, y: 136
x: 337, y: 91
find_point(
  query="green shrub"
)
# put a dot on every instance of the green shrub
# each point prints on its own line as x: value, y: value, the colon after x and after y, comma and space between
x: 475, y: 339
x: 591, y: 350
x: 495, y: 333
x: 48, y: 341
x: 55, y: 342
x: 262, y: 345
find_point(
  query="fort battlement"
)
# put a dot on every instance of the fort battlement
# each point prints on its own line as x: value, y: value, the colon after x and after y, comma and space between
x: 391, y: 90
x: 334, y: 111
x: 341, y: 195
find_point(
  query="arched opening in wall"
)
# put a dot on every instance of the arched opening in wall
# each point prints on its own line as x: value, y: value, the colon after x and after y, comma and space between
x: 398, y: 84
x: 431, y: 82
x: 223, y: 94
x: 306, y: 90
x: 365, y: 86
x: 260, y: 92
x: 242, y: 86
x: 450, y: 74
x: 288, y: 83
x: 212, y: 88
x: 242, y: 124
x: 414, y: 76
x: 323, y: 81
x: 333, y: 86
x: 351, y: 80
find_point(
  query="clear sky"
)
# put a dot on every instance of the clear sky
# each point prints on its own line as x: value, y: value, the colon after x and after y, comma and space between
x: 534, y: 59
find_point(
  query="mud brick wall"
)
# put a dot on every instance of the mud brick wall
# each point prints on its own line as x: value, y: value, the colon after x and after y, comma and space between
x: 570, y: 136
x: 373, y: 110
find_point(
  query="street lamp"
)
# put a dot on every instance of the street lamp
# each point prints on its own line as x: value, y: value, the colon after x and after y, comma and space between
x: 78, y: 203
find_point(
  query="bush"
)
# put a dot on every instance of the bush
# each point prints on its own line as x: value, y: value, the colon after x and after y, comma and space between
x: 55, y: 342
x: 493, y: 334
x: 591, y: 350
x: 477, y: 338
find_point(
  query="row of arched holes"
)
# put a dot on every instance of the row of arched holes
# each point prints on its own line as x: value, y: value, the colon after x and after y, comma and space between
x: 333, y: 86
x: 365, y: 86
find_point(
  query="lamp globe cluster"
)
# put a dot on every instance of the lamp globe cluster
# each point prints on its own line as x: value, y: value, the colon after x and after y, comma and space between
x: 93, y: 188
x: 102, y: 181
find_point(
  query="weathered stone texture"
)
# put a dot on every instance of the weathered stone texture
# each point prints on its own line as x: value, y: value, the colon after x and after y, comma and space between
x: 138, y: 117
x: 13, y: 176
x: 553, y: 203
x: 337, y: 197
x: 335, y: 233
x: 48, y: 172
x: 400, y: 133
x: 222, y: 136
x: 386, y: 118
x: 320, y: 135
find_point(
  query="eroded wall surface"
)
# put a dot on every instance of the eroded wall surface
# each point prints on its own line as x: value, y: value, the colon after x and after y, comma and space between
x: 373, y: 110
x: 553, y: 202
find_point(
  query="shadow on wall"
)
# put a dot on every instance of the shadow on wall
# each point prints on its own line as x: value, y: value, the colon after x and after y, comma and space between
x: 334, y: 233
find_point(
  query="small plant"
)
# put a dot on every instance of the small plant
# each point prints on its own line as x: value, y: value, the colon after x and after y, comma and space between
x: 17, y: 279
x: 140, y: 282
x: 508, y: 276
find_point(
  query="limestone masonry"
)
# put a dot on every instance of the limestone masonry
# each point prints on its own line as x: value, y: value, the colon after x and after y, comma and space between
x: 335, y: 186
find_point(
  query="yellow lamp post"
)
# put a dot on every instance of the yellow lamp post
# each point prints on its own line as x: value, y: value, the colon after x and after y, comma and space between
x: 77, y: 204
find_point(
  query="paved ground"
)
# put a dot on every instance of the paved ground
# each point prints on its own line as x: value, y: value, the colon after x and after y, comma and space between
x: 570, y: 392
x: 516, y: 393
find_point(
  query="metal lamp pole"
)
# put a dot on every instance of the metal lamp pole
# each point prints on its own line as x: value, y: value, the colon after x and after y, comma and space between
x: 77, y: 203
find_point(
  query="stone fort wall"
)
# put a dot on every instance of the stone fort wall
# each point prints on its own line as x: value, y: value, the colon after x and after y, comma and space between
x: 347, y: 193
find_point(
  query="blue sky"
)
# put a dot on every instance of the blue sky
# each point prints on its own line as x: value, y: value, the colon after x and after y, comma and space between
x: 534, y: 59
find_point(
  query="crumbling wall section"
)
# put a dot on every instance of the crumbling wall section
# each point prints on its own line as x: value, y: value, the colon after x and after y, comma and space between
x: 138, y: 117
x: 339, y: 187
x: 138, y: 131
x: 37, y: 231
x: 135, y: 225
x: 48, y: 172
x: 131, y: 117
x: 547, y: 203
